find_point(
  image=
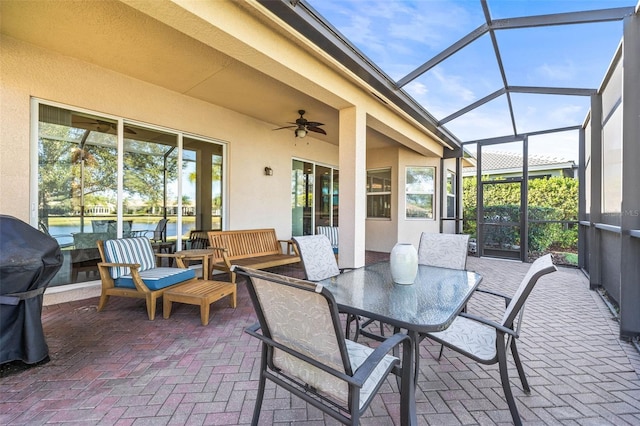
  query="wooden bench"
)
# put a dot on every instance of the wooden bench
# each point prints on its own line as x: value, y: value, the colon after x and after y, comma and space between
x: 252, y: 248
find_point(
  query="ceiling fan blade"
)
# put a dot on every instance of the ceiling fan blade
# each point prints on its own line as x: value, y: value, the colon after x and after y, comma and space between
x: 314, y: 124
x: 286, y: 127
x: 316, y: 129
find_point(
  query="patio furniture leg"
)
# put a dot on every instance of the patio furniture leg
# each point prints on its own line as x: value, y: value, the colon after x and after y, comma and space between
x: 504, y: 378
x: 521, y: 373
x: 151, y: 306
x: 261, y: 386
x: 204, y: 311
x: 103, y: 301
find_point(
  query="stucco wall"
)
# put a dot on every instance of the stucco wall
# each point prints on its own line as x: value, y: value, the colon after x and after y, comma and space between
x: 382, y: 234
x: 28, y: 72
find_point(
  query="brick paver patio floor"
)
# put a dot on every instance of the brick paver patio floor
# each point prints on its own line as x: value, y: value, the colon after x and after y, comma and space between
x: 118, y: 368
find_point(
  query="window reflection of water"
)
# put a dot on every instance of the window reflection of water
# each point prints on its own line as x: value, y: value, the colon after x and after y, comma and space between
x: 137, y: 226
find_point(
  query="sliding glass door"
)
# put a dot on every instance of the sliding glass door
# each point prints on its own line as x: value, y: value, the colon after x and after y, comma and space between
x: 79, y: 196
x: 314, y: 197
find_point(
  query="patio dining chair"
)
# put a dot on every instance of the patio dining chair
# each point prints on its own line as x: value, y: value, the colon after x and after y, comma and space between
x: 159, y: 233
x: 305, y: 352
x: 319, y: 263
x: 486, y: 341
x: 443, y: 250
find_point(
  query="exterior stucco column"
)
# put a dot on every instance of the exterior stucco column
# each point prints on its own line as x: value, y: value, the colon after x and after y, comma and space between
x: 353, y: 195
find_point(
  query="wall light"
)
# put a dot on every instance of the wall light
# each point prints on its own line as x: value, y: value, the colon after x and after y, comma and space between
x: 301, y: 132
x: 268, y: 171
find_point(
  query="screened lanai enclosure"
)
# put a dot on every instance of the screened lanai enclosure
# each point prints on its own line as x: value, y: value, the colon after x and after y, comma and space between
x: 93, y: 185
x: 568, y: 92
x: 524, y: 106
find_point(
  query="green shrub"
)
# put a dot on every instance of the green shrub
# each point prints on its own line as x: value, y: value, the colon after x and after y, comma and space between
x: 554, y: 198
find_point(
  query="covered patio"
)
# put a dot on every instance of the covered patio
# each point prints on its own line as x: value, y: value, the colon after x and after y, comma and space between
x: 116, y: 367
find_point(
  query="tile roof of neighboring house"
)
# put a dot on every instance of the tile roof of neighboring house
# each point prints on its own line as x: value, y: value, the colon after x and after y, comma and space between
x: 505, y: 161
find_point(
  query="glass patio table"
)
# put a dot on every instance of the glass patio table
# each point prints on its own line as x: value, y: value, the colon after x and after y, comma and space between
x: 430, y: 304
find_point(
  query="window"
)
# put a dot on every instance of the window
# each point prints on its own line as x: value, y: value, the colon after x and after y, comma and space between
x: 419, y: 190
x: 451, y: 194
x: 379, y: 193
x: 79, y: 198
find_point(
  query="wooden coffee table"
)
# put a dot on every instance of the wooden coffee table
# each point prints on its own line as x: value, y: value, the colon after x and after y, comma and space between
x: 200, y: 293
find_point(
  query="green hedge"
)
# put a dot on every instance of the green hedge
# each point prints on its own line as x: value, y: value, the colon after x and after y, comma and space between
x: 554, y: 198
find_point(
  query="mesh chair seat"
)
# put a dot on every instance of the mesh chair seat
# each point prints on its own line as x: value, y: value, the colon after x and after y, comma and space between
x: 473, y: 339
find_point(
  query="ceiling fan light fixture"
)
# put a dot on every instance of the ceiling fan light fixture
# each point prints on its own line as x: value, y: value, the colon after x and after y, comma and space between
x: 301, y: 132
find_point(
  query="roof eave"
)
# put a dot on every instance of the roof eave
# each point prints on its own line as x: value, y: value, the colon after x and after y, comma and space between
x: 307, y: 22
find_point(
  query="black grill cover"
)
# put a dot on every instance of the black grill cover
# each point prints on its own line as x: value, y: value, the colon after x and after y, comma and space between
x: 28, y: 261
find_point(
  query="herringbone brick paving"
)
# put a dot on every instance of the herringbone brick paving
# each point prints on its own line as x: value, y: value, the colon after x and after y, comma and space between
x: 117, y: 368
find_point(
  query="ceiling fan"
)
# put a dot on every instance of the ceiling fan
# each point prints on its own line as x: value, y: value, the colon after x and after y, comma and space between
x: 303, y: 126
x: 104, y: 126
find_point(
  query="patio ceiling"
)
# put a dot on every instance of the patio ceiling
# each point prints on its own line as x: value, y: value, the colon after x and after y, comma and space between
x: 115, y: 36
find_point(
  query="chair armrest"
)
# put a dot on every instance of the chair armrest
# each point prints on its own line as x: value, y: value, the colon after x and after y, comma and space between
x: 119, y: 265
x: 253, y: 331
x: 222, y: 253
x: 139, y: 233
x: 498, y: 327
x: 177, y: 256
x: 290, y: 245
x: 372, y: 361
x: 507, y: 299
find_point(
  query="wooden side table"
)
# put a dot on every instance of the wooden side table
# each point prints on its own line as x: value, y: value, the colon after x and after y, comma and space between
x: 198, y: 292
x: 203, y: 255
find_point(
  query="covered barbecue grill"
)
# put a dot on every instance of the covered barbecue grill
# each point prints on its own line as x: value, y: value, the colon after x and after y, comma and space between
x: 28, y: 261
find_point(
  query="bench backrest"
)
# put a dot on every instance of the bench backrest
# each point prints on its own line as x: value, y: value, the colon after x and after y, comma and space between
x: 246, y: 243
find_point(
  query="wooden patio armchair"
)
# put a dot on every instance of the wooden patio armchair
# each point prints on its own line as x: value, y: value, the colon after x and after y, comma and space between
x: 128, y: 269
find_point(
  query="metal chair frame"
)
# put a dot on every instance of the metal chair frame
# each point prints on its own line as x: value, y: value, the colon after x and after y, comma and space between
x: 507, y: 332
x: 355, y: 379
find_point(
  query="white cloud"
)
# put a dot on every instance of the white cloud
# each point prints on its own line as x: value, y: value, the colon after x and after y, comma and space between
x: 558, y: 72
x: 416, y: 89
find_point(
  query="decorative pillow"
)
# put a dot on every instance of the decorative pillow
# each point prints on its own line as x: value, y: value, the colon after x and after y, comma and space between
x: 129, y: 250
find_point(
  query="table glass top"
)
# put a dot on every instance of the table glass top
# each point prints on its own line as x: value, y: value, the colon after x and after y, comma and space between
x: 429, y: 304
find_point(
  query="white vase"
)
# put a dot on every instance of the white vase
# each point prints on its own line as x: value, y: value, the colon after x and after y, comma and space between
x: 404, y: 263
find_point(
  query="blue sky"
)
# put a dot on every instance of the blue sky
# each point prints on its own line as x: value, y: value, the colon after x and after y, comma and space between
x: 400, y: 35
